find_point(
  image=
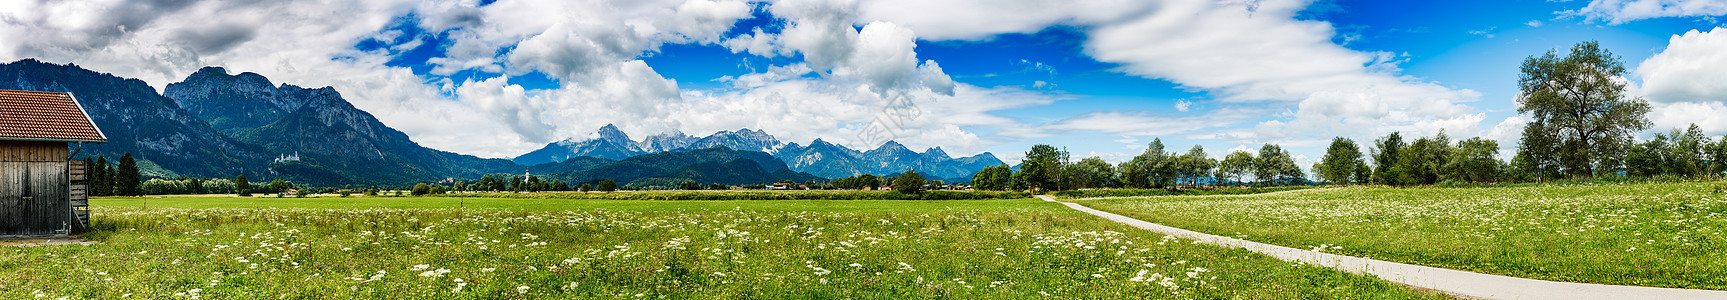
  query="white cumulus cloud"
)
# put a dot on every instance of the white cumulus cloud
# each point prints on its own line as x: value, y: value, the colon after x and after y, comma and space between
x: 1690, y: 69
x: 1244, y: 52
x: 1622, y: 11
x: 1686, y: 82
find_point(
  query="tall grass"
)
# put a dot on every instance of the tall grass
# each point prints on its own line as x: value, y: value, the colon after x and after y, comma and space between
x: 588, y: 253
x: 757, y: 195
x: 1649, y: 234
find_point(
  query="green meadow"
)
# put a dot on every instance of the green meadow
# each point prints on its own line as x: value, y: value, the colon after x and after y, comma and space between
x: 1647, y: 234
x: 495, y: 248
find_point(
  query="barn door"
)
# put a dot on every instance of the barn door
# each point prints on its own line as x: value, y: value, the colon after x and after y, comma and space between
x: 33, y: 198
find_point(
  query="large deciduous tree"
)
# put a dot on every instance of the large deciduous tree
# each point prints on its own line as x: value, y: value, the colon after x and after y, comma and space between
x: 1151, y: 168
x: 1385, y: 153
x: 1043, y: 167
x: 279, y: 186
x: 1717, y: 154
x: 1421, y: 161
x: 1676, y: 153
x: 909, y: 182
x: 1195, y: 165
x: 1474, y: 160
x: 1236, y: 165
x: 1685, y: 153
x: 1644, y: 159
x: 1131, y: 174
x: 1579, y: 101
x: 1275, y: 165
x: 1094, y: 172
x: 1340, y: 162
x: 1537, y: 156
x: 992, y: 178
x: 421, y: 189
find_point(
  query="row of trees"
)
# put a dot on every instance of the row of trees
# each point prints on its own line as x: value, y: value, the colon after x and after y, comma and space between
x: 858, y: 182
x: 1427, y: 160
x: 690, y: 185
x: 530, y: 184
x: 1582, y: 126
x: 1391, y: 160
x: 1433, y: 160
x: 1047, y: 168
x: 104, y: 179
x: 157, y: 186
x: 192, y: 185
x: 124, y: 179
x: 1678, y: 153
x: 518, y: 184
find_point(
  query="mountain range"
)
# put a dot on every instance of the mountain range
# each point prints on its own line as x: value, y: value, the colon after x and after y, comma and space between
x: 169, y: 140
x: 611, y: 143
x: 820, y: 158
x: 217, y: 124
x: 711, y: 165
x: 325, y: 132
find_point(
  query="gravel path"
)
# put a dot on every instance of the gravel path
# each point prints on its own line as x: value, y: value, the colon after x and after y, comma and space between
x: 1453, y: 282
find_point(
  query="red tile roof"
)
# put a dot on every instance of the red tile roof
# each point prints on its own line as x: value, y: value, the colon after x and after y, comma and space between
x: 45, y: 116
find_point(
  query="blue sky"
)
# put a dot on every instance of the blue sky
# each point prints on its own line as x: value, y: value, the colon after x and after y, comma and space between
x: 501, y: 78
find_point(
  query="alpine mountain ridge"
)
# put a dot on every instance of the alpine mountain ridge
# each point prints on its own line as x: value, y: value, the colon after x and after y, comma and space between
x: 819, y: 158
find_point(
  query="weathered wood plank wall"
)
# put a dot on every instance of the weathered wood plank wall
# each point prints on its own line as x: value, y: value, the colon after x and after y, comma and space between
x: 32, y: 151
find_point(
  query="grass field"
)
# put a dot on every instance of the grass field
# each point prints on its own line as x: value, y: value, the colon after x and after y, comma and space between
x: 1658, y: 234
x: 758, y: 195
x: 394, y: 248
x: 555, y: 204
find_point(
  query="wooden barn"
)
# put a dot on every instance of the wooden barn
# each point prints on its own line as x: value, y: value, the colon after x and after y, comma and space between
x: 41, y: 187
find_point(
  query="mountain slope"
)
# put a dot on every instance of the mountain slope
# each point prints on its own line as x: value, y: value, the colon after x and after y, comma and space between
x: 326, y: 132
x: 579, y: 163
x: 978, y: 162
x: 819, y: 158
x: 670, y: 141
x: 741, y: 140
x: 823, y: 159
x: 213, y: 124
x: 231, y: 102
x: 891, y: 157
x: 167, y: 140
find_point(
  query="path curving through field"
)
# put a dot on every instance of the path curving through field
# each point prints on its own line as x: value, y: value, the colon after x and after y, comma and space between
x: 1453, y: 282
